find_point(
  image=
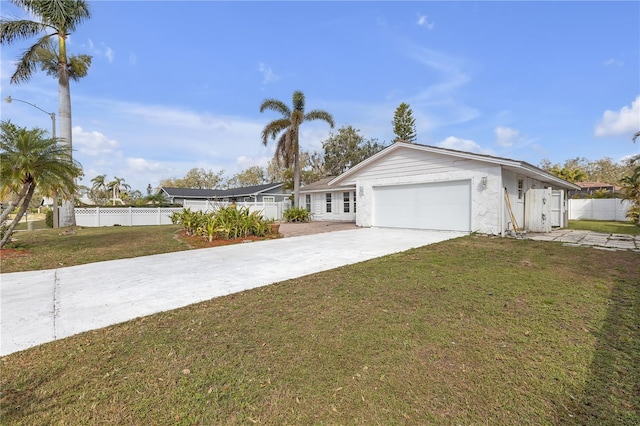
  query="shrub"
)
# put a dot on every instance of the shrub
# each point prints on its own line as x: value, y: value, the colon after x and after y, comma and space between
x: 48, y: 218
x: 633, y: 214
x: 226, y: 222
x: 296, y: 214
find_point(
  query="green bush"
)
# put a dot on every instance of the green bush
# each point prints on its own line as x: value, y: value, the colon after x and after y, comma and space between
x: 633, y: 214
x: 296, y: 214
x: 48, y: 219
x: 227, y: 222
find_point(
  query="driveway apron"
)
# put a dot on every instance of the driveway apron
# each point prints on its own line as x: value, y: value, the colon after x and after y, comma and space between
x: 42, y: 306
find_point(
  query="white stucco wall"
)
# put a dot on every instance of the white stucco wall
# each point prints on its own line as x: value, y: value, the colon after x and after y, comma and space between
x: 486, y: 202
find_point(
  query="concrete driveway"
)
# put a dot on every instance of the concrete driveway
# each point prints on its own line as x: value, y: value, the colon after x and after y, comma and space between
x: 42, y: 306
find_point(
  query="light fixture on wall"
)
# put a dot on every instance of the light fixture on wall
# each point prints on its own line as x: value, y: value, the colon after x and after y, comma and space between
x: 484, y: 181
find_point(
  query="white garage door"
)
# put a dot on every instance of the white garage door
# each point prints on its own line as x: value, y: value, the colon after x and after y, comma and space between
x: 440, y: 205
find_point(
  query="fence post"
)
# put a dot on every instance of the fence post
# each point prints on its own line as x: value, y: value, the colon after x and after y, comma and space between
x: 97, y: 216
x: 159, y: 217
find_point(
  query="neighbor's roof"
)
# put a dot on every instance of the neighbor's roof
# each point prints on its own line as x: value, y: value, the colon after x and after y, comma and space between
x: 515, y: 165
x: 219, y: 193
x: 588, y: 185
x: 321, y: 185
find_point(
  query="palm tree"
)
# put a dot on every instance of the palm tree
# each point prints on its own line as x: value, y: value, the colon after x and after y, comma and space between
x: 55, y: 20
x: 631, y: 186
x: 115, y: 186
x: 99, y: 188
x: 28, y: 159
x: 288, y: 147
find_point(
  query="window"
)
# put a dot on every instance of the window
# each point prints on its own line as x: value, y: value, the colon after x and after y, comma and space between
x: 307, y: 202
x: 354, y: 201
x: 346, y: 198
x: 328, y: 201
x: 269, y: 199
x: 520, y: 189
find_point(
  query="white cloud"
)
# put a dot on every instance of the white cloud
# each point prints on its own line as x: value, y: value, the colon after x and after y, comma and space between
x: 267, y: 73
x: 423, y: 21
x: 109, y: 54
x: 613, y: 61
x: 627, y: 120
x: 506, y: 136
x: 460, y: 144
x: 101, y: 50
x: 92, y: 143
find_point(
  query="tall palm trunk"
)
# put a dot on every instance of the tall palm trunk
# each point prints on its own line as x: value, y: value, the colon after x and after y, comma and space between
x: 296, y: 178
x: 67, y: 215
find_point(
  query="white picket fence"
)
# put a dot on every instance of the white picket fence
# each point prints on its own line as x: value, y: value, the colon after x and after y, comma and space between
x: 598, y: 209
x: 138, y: 216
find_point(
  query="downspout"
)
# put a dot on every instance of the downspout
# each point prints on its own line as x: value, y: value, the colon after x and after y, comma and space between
x: 502, y: 201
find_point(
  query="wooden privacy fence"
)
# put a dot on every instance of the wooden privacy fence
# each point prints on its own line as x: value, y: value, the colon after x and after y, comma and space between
x: 598, y: 209
x: 138, y: 216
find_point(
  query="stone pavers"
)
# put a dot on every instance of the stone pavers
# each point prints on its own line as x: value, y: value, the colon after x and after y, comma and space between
x: 579, y: 238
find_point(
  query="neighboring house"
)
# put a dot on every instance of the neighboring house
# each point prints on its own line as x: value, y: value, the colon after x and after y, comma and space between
x: 418, y: 186
x: 588, y: 189
x: 271, y: 192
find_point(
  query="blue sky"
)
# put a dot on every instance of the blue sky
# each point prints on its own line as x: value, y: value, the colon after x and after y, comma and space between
x: 176, y: 85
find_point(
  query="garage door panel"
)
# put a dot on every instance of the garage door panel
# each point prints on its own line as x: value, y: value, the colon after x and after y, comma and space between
x: 441, y: 205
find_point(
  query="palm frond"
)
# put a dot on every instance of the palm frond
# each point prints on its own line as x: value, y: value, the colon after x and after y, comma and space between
x: 318, y: 114
x: 275, y: 105
x: 298, y: 101
x: 13, y: 30
x: 272, y: 129
x: 79, y: 66
x: 636, y: 136
x: 63, y: 15
x: 31, y: 59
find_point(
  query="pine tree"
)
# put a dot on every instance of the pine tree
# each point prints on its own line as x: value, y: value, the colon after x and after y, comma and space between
x: 404, y: 125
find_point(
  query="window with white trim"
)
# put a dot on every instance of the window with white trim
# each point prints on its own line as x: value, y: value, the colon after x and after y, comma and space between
x: 346, y: 199
x: 269, y: 199
x: 307, y: 202
x: 354, y: 201
x: 328, y: 202
x: 520, y: 188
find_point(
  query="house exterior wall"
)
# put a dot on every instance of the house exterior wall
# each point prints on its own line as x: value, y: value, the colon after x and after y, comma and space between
x: 319, y: 205
x: 517, y: 196
x: 485, y: 201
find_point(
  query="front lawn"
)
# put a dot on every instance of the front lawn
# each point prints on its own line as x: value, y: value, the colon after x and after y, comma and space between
x: 477, y: 330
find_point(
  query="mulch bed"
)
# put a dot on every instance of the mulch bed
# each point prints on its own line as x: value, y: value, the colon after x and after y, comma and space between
x: 10, y: 253
x: 196, y: 241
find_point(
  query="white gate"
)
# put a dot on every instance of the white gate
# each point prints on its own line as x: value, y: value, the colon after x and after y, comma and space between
x: 557, y: 209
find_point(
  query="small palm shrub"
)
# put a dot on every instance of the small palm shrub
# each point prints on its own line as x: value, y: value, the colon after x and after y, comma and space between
x: 226, y: 223
x: 296, y: 214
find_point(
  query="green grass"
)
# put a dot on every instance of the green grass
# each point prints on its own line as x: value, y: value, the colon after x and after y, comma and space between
x: 477, y: 330
x: 50, y: 248
x: 608, y: 227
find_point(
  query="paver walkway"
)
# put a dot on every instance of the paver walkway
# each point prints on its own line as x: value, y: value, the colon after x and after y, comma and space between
x: 575, y: 237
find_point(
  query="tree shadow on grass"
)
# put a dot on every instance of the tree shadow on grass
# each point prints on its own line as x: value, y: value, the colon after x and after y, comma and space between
x: 612, y: 391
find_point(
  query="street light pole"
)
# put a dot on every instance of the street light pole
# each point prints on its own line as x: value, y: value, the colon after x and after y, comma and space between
x: 8, y: 100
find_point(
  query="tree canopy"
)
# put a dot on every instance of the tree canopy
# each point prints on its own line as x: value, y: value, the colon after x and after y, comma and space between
x: 404, y: 125
x: 197, y: 178
x: 346, y: 148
